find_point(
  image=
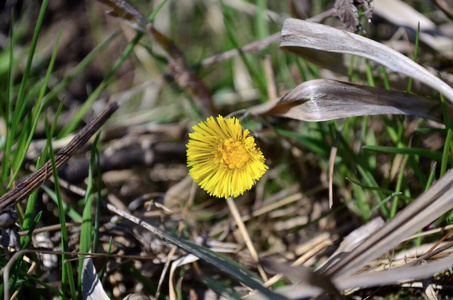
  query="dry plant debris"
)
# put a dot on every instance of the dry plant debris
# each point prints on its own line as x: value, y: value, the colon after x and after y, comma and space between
x: 339, y: 166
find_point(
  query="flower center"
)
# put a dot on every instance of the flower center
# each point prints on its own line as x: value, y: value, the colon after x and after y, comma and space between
x: 233, y: 154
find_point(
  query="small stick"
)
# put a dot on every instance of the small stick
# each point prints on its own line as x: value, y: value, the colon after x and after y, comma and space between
x: 25, y: 188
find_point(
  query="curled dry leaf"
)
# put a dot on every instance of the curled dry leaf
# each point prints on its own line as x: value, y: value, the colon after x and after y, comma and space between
x: 298, y: 33
x: 322, y: 100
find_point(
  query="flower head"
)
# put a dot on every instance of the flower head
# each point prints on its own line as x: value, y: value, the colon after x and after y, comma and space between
x: 223, y: 158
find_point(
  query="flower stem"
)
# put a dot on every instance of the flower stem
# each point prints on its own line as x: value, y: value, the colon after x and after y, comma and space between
x: 248, y: 242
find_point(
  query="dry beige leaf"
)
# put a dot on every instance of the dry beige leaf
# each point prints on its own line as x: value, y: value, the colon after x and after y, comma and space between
x: 322, y: 100
x: 297, y: 33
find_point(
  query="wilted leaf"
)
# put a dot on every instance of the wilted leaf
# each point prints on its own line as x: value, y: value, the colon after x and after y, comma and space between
x: 322, y: 100
x: 298, y: 33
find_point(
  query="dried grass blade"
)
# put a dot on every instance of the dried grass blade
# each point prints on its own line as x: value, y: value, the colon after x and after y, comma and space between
x: 297, y: 33
x: 426, y: 208
x: 396, y: 275
x: 372, y: 279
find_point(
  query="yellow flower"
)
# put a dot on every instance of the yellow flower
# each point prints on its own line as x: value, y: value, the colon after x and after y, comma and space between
x: 223, y: 158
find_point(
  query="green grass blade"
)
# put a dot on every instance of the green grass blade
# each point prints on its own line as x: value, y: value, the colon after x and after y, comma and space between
x: 67, y: 272
x: 260, y: 20
x: 31, y: 53
x: 36, y: 113
x: 31, y: 203
x: 156, y: 11
x: 97, y: 220
x: 399, y: 183
x: 411, y: 151
x: 96, y: 93
x: 86, y: 232
x: 80, y: 67
x: 69, y: 210
x: 257, y: 77
x: 20, y: 102
x: 224, y: 264
x: 27, y: 238
x: 417, y: 43
x: 374, y: 188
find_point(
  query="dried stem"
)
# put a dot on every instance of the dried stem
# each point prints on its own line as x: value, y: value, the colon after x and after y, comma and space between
x: 248, y: 242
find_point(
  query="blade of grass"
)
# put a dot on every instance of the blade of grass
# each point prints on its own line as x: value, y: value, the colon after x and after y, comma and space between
x: 17, y: 112
x: 31, y: 203
x: 156, y: 11
x: 8, y: 107
x: 27, y: 238
x: 67, y: 274
x: 399, y: 183
x: 447, y: 144
x: 373, y: 188
x: 69, y: 210
x: 411, y: 151
x: 97, y: 220
x: 79, y: 68
x: 95, y: 95
x: 257, y: 77
x: 417, y: 43
x: 86, y: 232
x: 226, y: 265
x: 36, y: 113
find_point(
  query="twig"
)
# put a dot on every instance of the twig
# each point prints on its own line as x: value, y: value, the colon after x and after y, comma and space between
x: 25, y: 188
